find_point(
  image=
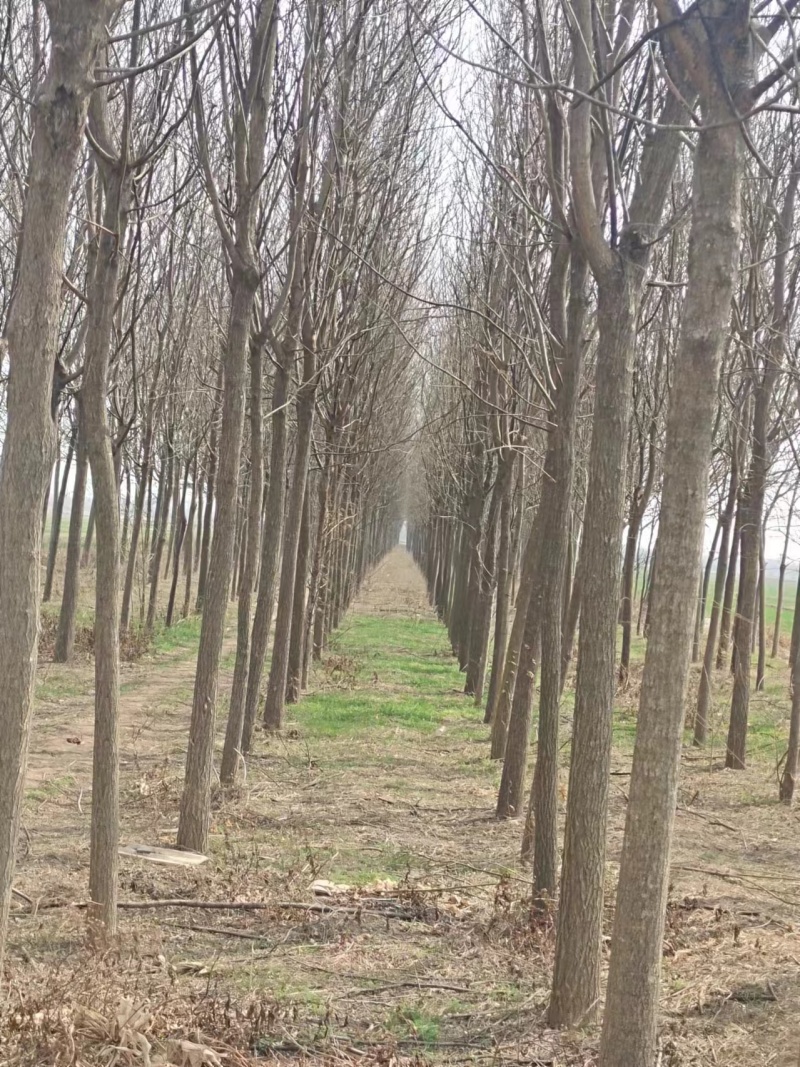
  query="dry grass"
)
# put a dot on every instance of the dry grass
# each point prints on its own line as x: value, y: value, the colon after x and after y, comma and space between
x: 425, y: 949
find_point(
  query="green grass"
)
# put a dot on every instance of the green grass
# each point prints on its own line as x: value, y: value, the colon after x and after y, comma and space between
x: 51, y: 789
x: 405, y: 675
x: 182, y: 636
x: 409, y: 1021
x: 52, y: 688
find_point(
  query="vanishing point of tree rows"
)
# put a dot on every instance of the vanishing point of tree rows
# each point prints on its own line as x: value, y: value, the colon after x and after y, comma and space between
x: 277, y: 274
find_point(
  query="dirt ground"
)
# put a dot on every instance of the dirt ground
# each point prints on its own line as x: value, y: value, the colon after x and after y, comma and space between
x: 370, y: 907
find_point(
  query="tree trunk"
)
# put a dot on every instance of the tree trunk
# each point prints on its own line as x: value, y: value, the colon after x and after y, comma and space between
x: 233, y: 730
x: 138, y: 513
x: 270, y: 551
x: 211, y: 466
x: 752, y: 504
x: 58, y: 511
x: 195, y: 811
x: 576, y: 976
x: 65, y: 635
x: 279, y: 670
x: 503, y: 605
x: 294, y: 677
x: 165, y: 487
x: 776, y: 633
x: 762, y: 616
x: 102, y: 295
x: 706, y: 674
x: 555, y: 555
x: 792, y: 766
x: 77, y: 29
x: 629, y: 1030
x: 501, y: 712
x: 188, y: 545
x: 86, y: 555
x: 182, y: 525
x: 700, y: 614
x: 730, y: 589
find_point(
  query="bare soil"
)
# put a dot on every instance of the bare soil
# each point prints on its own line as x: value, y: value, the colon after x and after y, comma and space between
x: 423, y: 948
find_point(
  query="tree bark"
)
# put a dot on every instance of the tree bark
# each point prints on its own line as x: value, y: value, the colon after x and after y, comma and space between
x: 706, y: 674
x: 76, y: 31
x: 233, y: 731
x: 58, y: 511
x: 279, y: 669
x: 102, y: 295
x: 270, y: 550
x: 67, y: 616
x: 776, y: 633
x: 195, y: 803
x: 629, y: 1030
x: 296, y: 645
x: 555, y: 555
x: 752, y: 503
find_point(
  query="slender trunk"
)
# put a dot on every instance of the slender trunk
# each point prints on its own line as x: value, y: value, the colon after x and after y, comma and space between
x: 576, y: 976
x: 180, y: 533
x: 195, y: 811
x: 555, y: 556
x: 211, y: 502
x: 58, y: 512
x: 160, y: 532
x: 233, y: 730
x: 86, y: 555
x: 706, y: 675
x: 792, y: 766
x: 53, y: 483
x: 502, y: 606
x: 59, y: 115
x: 730, y: 589
x: 702, y: 600
x: 103, y: 858
x: 136, y: 528
x: 776, y: 633
x: 188, y: 546
x: 270, y: 552
x: 640, y: 618
x: 279, y: 669
x: 175, y: 522
x: 638, y: 508
x: 294, y: 677
x: 479, y: 652
x: 629, y: 1037
x: 65, y: 635
x: 126, y: 512
x: 762, y: 616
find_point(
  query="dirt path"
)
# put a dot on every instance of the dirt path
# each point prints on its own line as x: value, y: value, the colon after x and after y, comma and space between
x: 155, y: 704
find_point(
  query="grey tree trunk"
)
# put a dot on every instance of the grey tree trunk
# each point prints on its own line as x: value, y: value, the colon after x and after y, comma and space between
x: 233, y: 732
x: 270, y: 553
x: 776, y: 633
x: 555, y: 554
x: 77, y: 28
x: 706, y: 675
x: 196, y: 800
x: 58, y: 512
x: 630, y: 1022
x: 619, y: 273
x: 752, y: 503
x: 102, y: 295
x: 294, y: 678
x: 279, y: 670
x: 67, y: 616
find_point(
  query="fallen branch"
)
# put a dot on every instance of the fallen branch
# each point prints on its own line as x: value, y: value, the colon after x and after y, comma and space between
x: 711, y: 821
x: 407, y: 985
